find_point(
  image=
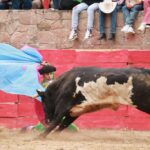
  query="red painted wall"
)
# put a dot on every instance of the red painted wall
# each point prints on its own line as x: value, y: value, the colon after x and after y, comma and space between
x: 18, y: 111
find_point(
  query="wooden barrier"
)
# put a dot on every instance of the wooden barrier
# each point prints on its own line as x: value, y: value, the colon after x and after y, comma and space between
x: 18, y: 111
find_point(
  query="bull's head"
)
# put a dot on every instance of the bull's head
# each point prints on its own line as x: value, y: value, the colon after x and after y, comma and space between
x: 45, y: 105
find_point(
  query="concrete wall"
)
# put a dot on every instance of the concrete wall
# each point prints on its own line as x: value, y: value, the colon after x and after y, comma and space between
x: 46, y: 29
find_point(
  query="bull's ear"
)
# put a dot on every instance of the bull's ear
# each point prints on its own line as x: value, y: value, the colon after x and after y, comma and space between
x: 40, y: 93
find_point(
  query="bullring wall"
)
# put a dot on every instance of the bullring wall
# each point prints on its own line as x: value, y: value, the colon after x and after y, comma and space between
x: 46, y: 29
x: 19, y: 111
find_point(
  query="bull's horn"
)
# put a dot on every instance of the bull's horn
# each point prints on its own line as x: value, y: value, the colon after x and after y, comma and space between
x: 40, y: 93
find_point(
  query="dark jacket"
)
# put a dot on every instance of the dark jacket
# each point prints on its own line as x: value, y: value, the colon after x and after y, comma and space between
x: 90, y: 2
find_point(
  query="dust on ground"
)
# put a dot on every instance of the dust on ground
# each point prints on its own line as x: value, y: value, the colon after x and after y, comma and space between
x: 99, y: 139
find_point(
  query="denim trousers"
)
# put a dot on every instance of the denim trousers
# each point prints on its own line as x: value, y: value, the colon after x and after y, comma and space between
x: 90, y: 15
x: 130, y: 15
x: 113, y: 16
x: 4, y: 5
x: 56, y: 4
x: 21, y: 4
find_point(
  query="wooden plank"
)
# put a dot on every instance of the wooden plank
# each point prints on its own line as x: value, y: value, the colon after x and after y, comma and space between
x: 59, y: 56
x: 115, y: 56
x: 26, y: 121
x: 95, y: 121
x: 6, y: 97
x: 25, y: 99
x: 8, y: 110
x: 140, y: 65
x: 26, y: 109
x: 8, y: 122
x: 137, y: 123
x: 133, y: 112
x: 139, y: 57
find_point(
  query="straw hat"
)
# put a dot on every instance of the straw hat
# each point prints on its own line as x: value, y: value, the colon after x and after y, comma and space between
x: 107, y: 6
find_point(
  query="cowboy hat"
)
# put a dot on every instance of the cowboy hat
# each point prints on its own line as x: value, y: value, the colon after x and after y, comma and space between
x: 107, y: 6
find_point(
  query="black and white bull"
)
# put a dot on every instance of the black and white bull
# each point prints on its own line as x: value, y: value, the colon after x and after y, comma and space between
x: 87, y: 89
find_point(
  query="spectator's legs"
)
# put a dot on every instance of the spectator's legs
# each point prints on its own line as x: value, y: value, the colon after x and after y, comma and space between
x: 126, y: 13
x: 56, y: 4
x: 113, y: 21
x: 101, y: 22
x: 90, y: 20
x: 75, y: 18
x: 75, y: 14
x: 113, y: 24
x: 27, y: 4
x: 4, y: 5
x: 16, y: 4
x: 102, y: 25
x: 90, y: 12
x: 133, y: 14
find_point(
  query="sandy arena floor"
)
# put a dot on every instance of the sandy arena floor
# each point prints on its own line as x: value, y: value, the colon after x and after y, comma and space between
x: 83, y: 140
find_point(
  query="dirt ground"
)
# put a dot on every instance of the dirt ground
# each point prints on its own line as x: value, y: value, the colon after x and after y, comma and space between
x: 101, y: 139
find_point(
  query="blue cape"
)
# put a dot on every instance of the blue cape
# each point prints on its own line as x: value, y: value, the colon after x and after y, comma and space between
x: 18, y: 70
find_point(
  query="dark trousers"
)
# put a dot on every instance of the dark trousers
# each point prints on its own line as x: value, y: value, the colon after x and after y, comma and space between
x: 113, y: 16
x: 21, y: 4
x: 56, y: 4
x: 4, y: 5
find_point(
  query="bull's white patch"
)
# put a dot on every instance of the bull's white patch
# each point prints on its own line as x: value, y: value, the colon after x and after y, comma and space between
x: 100, y: 95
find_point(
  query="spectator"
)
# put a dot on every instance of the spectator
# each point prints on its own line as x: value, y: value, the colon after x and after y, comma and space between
x: 4, y: 4
x: 104, y: 10
x: 56, y: 4
x: 130, y: 11
x: 146, y: 21
x: 91, y: 6
x: 21, y: 4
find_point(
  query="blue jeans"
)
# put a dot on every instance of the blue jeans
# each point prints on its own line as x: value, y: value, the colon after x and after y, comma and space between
x: 102, y: 21
x: 21, y: 4
x: 4, y: 5
x: 56, y: 4
x: 113, y: 20
x: 130, y: 15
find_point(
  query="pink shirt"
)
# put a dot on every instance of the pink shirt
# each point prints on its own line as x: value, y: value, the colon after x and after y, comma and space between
x: 146, y: 12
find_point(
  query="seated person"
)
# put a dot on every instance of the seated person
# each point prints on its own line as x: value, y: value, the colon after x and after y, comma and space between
x: 4, y: 4
x: 146, y: 20
x: 130, y: 12
x: 91, y: 6
x: 21, y: 4
x: 113, y: 14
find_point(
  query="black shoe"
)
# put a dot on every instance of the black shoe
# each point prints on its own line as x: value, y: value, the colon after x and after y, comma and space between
x: 102, y: 36
x: 111, y: 36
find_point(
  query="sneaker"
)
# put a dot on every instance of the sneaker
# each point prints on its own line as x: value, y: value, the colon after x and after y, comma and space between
x: 130, y: 30
x: 125, y: 28
x: 147, y: 25
x: 142, y: 27
x: 73, y: 35
x: 88, y: 34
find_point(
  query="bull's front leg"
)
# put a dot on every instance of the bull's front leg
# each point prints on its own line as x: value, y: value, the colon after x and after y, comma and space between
x: 50, y: 128
x: 66, y: 122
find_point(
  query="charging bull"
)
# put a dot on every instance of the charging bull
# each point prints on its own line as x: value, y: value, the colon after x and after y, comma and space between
x: 87, y: 89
